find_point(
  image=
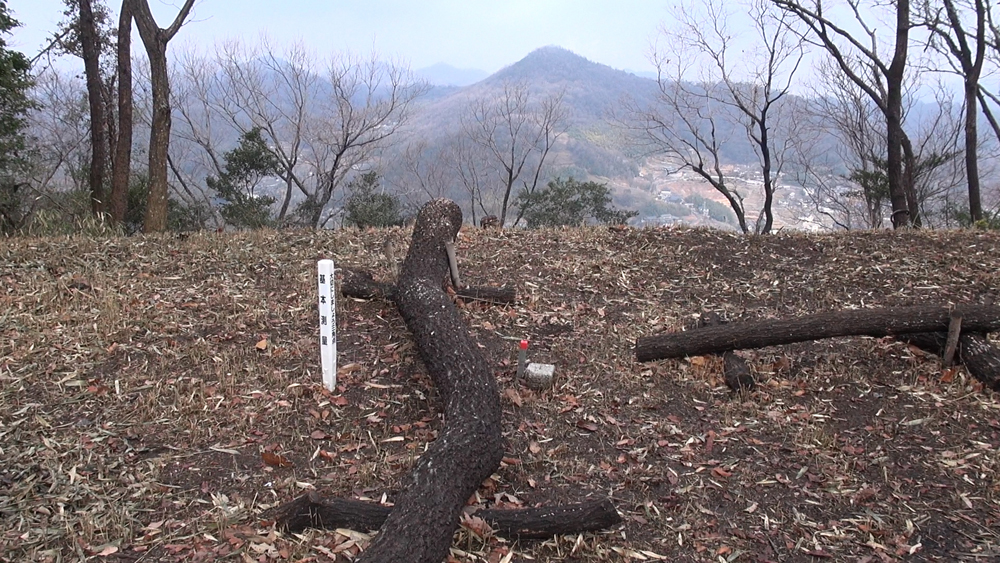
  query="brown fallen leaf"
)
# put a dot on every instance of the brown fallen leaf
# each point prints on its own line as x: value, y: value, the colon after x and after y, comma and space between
x: 275, y: 460
x: 514, y: 397
x: 262, y: 344
x: 721, y: 472
x: 947, y: 375
x: 476, y: 525
x: 586, y: 425
x: 318, y: 435
x: 348, y: 368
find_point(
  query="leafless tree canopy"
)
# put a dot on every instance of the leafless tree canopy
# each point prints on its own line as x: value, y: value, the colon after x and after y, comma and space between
x: 323, y: 124
x: 512, y: 134
x: 710, y: 77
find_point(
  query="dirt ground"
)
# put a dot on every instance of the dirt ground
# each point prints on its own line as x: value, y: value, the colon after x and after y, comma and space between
x: 159, y: 394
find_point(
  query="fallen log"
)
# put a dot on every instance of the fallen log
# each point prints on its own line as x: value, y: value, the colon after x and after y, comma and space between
x: 420, y: 525
x: 862, y: 322
x: 499, y: 295
x: 735, y: 370
x: 313, y: 511
x: 979, y: 355
x: 361, y: 284
x: 470, y: 445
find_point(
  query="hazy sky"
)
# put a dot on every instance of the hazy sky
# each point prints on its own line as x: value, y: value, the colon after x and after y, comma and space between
x: 481, y: 34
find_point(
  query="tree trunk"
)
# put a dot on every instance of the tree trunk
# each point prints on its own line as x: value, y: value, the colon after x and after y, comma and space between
x: 971, y: 151
x: 765, y: 159
x: 123, y: 143
x: 900, y: 194
x: 155, y: 219
x: 469, y: 447
x: 972, y: 67
x: 313, y: 511
x: 869, y: 322
x: 910, y: 170
x: 155, y: 41
x: 98, y: 132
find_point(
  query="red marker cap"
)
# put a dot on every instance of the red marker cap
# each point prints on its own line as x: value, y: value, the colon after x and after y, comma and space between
x: 524, y: 344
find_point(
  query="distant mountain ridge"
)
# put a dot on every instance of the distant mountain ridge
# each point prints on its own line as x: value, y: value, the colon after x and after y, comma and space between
x: 442, y: 74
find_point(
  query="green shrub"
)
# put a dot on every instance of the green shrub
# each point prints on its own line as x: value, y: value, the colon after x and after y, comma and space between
x: 245, y: 166
x: 569, y: 203
x: 366, y: 207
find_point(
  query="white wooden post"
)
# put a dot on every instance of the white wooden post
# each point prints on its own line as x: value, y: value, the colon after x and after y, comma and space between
x: 327, y: 323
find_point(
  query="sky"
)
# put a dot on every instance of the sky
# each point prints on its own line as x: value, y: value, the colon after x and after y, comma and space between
x: 472, y: 34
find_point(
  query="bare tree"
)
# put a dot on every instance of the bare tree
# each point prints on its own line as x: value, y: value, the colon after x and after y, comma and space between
x: 122, y: 162
x: 517, y: 134
x: 370, y: 100
x: 155, y: 39
x: 967, y: 53
x: 707, y: 80
x: 844, y: 181
x: 422, y: 172
x: 322, y: 129
x: 842, y: 163
x: 91, y: 50
x: 862, y: 61
x: 469, y: 163
x: 57, y: 132
x: 278, y: 92
x: 993, y: 55
x: 939, y: 171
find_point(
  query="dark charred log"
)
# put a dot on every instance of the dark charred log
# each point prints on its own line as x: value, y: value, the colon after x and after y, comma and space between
x: 735, y: 370
x: 500, y: 295
x: 313, y: 511
x: 979, y: 355
x: 469, y: 446
x: 361, y: 284
x: 869, y: 322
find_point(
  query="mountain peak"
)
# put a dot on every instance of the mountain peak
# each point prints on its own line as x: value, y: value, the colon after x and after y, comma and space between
x: 553, y: 51
x: 552, y: 63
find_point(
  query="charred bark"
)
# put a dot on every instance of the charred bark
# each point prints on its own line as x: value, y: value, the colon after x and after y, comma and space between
x: 869, y: 322
x: 361, y: 284
x: 735, y: 370
x: 313, y: 511
x: 979, y: 355
x: 499, y: 295
x: 420, y: 525
x: 469, y: 446
x: 122, y: 167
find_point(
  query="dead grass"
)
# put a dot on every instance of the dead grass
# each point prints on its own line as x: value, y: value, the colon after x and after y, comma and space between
x: 142, y: 379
